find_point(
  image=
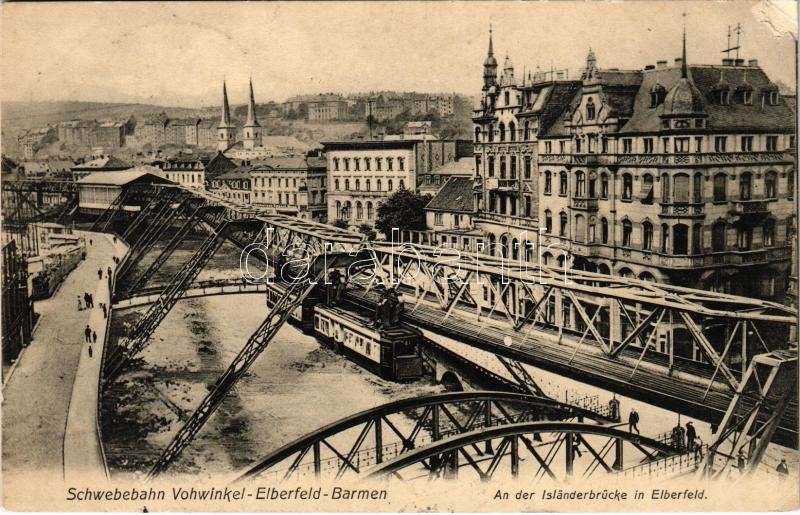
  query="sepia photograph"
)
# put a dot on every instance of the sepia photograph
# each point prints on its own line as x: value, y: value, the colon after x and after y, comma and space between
x: 429, y: 256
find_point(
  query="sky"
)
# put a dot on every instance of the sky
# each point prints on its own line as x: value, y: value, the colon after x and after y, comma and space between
x: 179, y: 53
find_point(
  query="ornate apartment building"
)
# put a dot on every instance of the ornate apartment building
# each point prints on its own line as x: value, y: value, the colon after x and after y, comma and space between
x: 294, y: 186
x: 681, y: 174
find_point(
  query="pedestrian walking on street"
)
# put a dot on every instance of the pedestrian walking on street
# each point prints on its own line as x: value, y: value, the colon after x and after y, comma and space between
x: 99, y: 273
x: 91, y: 300
x: 94, y: 337
x: 782, y: 469
x: 88, y: 334
x: 109, y: 273
x: 80, y: 306
x: 90, y: 242
x: 633, y: 421
x: 90, y: 351
x: 105, y: 311
x: 115, y: 239
x: 86, y: 300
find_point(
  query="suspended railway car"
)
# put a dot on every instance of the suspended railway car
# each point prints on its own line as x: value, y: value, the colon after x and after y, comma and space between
x: 393, y: 354
x: 390, y: 353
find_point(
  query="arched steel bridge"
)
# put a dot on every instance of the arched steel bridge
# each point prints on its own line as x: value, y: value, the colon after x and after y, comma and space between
x: 595, y: 328
x: 477, y: 426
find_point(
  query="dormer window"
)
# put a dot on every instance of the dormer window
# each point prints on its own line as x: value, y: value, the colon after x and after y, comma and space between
x: 773, y: 98
x: 747, y: 97
x: 657, y: 94
x: 724, y: 97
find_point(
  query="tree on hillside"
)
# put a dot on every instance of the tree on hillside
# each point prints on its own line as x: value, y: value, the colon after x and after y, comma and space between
x: 405, y: 210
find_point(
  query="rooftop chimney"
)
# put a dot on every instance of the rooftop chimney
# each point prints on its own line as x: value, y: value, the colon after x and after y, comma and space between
x: 678, y: 61
x: 650, y: 67
x: 753, y: 63
x: 661, y: 64
x: 739, y: 62
x: 727, y: 62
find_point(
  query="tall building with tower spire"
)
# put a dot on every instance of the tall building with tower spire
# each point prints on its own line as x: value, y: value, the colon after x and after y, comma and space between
x: 226, y: 131
x: 252, y: 129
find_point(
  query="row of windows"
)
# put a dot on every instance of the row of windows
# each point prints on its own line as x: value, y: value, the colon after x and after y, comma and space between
x: 356, y: 163
x: 503, y: 133
x: 283, y: 198
x: 368, y: 185
x: 680, y: 186
x: 677, y: 145
x: 680, y: 234
x: 344, y: 211
x: 512, y: 166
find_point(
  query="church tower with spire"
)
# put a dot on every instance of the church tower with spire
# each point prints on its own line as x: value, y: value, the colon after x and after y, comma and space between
x: 252, y: 129
x: 489, y: 66
x: 226, y: 131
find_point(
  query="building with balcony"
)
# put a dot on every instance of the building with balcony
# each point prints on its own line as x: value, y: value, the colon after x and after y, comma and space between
x: 294, y: 186
x: 186, y: 171
x: 681, y: 174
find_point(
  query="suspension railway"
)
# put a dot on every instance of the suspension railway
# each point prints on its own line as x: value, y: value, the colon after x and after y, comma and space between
x: 717, y: 357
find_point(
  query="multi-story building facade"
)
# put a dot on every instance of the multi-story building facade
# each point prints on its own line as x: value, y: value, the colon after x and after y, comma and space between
x: 76, y: 132
x: 294, y: 186
x: 680, y: 174
x: 363, y: 174
x: 152, y: 131
x: 109, y: 135
x: 234, y: 185
x: 189, y: 172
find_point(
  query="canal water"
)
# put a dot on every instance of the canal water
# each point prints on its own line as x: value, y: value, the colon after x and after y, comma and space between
x: 294, y: 387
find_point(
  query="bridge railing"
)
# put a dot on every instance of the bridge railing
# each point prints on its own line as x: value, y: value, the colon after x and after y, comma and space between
x: 668, y: 466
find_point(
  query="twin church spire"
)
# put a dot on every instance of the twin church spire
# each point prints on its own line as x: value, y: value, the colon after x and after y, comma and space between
x: 226, y: 130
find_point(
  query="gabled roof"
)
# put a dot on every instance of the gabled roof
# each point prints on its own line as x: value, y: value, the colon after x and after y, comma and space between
x: 103, y: 163
x: 464, y: 167
x: 218, y: 165
x: 455, y: 196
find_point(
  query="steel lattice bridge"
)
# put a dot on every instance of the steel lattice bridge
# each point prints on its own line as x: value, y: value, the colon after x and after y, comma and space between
x: 685, y: 350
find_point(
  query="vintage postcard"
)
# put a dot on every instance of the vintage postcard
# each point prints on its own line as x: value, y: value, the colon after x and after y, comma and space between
x: 399, y: 256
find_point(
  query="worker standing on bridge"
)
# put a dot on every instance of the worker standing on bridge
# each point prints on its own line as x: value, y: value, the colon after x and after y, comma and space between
x: 94, y: 337
x: 741, y: 461
x: 691, y: 435
x: 90, y: 351
x: 80, y: 306
x: 633, y: 421
x: 613, y: 408
x: 99, y: 273
x: 105, y: 310
x: 87, y: 333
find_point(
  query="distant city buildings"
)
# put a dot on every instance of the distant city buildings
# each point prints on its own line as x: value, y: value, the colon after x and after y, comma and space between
x: 386, y: 107
x: 294, y: 186
x: 318, y: 108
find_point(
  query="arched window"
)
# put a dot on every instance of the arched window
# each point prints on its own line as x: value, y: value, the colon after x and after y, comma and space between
x: 592, y: 185
x: 768, y: 232
x: 490, y: 134
x: 680, y: 239
x: 358, y: 184
x: 513, y: 169
x: 548, y: 221
x: 604, y: 185
x: 389, y: 185
x: 378, y: 185
x: 402, y: 184
x: 367, y: 185
x: 512, y: 131
x: 502, y: 130
x: 627, y: 233
x: 627, y: 186
x: 477, y: 134
x: 370, y: 211
x: 680, y: 188
x: 590, y: 109
x: 664, y: 188
x: 647, y: 235
x: 770, y: 185
x: 335, y: 183
x: 548, y: 183
x: 347, y: 212
x: 720, y: 182
x: 359, y: 211
x: 580, y: 184
x: 562, y: 183
x: 580, y: 228
x: 664, y: 238
x: 514, y: 249
x: 502, y: 167
x: 697, y: 239
x: 744, y: 237
x: 527, y: 131
x: 562, y: 230
x: 490, y: 166
x: 338, y: 209
x: 347, y: 184
x: 718, y: 232
x: 604, y: 230
x: 746, y: 186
